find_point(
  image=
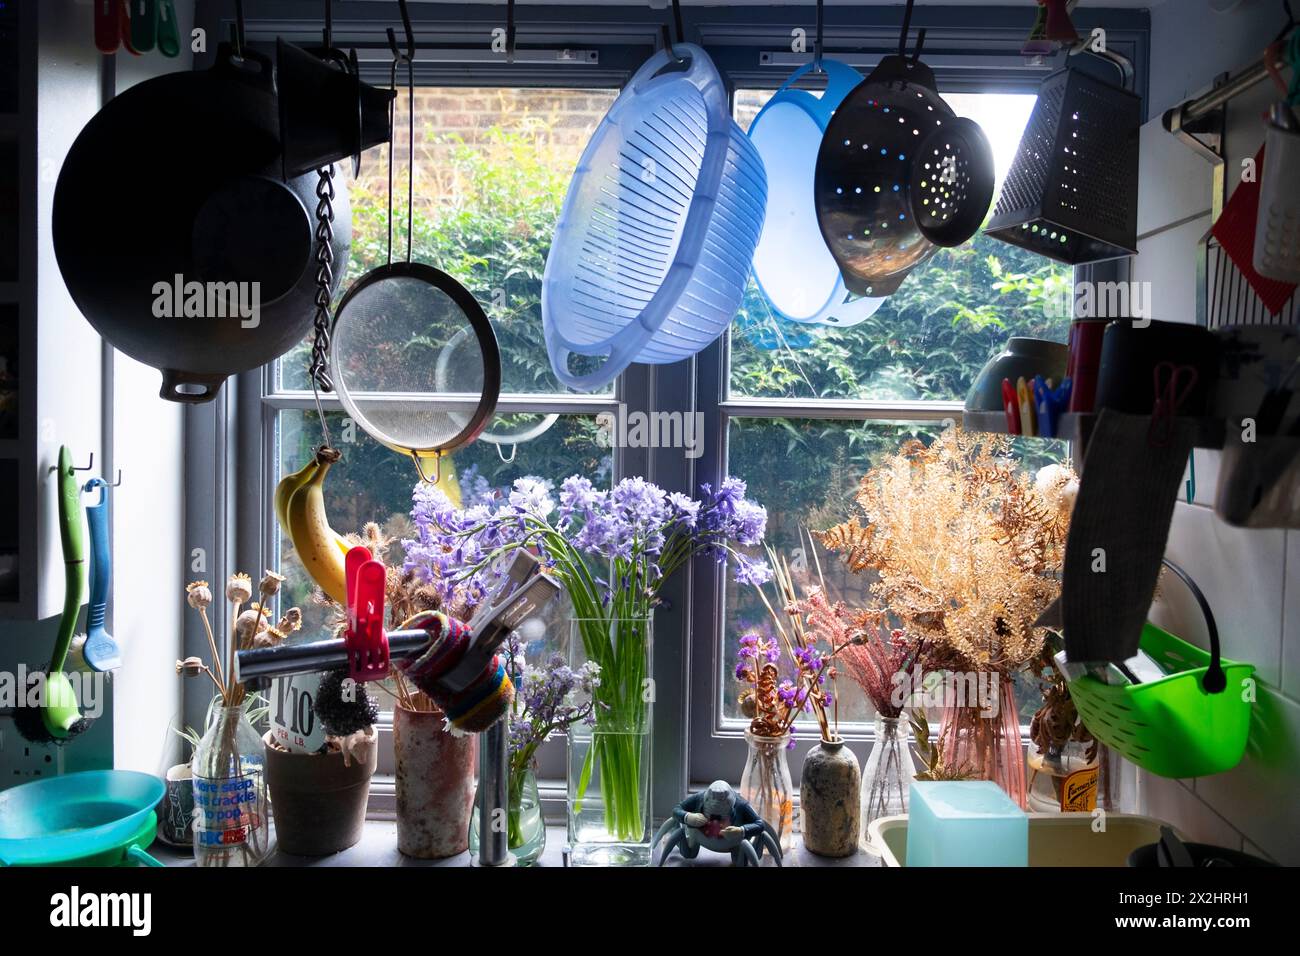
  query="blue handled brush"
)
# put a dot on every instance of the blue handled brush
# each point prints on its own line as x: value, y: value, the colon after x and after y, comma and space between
x: 100, y: 651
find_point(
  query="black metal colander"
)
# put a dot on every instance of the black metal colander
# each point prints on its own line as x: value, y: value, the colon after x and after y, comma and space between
x: 952, y: 184
x: 1071, y: 193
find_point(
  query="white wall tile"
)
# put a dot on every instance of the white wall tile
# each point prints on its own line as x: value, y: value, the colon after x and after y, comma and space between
x: 1168, y: 261
x: 1241, y: 573
x: 1259, y: 795
x: 1174, y: 182
x: 1174, y: 802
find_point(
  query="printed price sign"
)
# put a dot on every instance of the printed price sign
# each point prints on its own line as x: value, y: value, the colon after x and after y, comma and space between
x: 293, y: 715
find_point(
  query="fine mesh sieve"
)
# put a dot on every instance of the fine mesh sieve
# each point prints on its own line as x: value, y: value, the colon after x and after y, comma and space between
x: 415, y: 361
x: 414, y: 358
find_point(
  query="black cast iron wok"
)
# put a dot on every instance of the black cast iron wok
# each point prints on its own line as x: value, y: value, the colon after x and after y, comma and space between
x: 178, y: 180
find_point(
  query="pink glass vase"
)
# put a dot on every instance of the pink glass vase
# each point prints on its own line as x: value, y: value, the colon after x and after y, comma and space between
x: 986, y: 745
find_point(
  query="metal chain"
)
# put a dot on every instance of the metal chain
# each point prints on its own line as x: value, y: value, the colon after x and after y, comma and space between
x: 320, y: 347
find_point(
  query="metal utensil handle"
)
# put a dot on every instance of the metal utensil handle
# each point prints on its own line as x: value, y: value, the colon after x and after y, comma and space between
x: 1214, y: 681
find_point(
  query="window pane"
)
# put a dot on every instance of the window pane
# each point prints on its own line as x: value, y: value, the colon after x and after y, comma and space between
x: 930, y: 338
x: 492, y: 168
x: 806, y: 472
x: 371, y: 483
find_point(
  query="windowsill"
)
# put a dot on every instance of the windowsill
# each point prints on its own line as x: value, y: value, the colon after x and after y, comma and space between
x: 378, y: 847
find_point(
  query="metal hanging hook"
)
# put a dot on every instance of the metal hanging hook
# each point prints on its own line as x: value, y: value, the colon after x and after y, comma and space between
x: 514, y: 450
x: 510, y: 31
x: 237, y: 30
x: 406, y: 29
x: 902, y: 33
x: 408, y: 57
x: 817, y: 42
x: 89, y: 465
x: 671, y: 36
x: 437, y: 468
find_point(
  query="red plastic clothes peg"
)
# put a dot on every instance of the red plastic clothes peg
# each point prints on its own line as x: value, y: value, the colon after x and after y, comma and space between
x: 367, y: 644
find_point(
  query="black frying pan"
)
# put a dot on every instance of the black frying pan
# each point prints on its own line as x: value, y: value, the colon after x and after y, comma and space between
x: 181, y: 176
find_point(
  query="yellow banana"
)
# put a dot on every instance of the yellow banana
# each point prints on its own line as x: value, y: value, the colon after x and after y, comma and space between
x: 315, y: 541
x: 288, y: 485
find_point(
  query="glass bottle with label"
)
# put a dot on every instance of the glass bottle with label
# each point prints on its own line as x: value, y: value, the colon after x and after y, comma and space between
x: 231, y: 809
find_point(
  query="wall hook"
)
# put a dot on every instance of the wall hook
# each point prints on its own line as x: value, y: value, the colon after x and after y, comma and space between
x: 89, y: 465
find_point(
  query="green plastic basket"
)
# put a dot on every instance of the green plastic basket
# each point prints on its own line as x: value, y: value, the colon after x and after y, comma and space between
x: 1192, y: 723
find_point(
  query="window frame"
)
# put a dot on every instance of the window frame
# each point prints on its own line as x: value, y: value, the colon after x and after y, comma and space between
x: 230, y: 442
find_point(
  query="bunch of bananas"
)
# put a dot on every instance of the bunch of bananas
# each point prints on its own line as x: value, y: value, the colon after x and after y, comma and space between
x: 300, y: 508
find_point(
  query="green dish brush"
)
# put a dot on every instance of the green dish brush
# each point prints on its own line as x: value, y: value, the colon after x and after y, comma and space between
x: 59, y: 718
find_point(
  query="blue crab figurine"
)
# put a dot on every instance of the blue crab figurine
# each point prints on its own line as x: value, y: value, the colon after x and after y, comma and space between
x: 721, y: 820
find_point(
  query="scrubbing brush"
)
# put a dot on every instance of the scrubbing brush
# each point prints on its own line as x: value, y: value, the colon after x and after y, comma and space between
x: 58, y: 719
x: 344, y: 706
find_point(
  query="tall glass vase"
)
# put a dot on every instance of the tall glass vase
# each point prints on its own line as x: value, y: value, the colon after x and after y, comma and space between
x: 984, y: 743
x: 231, y: 809
x: 609, y: 762
x: 765, y: 783
x: 886, y: 778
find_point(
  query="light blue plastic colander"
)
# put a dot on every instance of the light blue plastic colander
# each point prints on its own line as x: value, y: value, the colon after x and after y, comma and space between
x: 657, y: 233
x: 795, y: 271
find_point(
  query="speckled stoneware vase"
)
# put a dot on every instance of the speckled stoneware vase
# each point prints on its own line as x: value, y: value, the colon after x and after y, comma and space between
x: 829, y: 799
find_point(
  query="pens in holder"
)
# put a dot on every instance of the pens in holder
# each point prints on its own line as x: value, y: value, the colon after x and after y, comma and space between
x: 1028, y: 423
x: 1011, y: 406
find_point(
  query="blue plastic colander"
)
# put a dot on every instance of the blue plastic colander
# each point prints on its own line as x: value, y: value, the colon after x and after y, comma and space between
x: 657, y: 233
x: 795, y: 271
x: 76, y: 816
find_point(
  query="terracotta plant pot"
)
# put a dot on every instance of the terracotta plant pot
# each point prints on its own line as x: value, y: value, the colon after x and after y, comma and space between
x: 829, y: 799
x: 435, y: 785
x: 317, y: 801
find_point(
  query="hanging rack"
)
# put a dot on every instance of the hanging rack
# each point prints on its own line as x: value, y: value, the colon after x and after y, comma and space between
x: 1203, y: 116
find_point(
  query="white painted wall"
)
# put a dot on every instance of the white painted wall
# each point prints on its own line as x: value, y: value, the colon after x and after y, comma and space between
x: 120, y: 417
x: 1251, y: 578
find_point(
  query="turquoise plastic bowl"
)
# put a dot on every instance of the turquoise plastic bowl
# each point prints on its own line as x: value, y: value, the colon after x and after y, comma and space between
x: 75, y: 816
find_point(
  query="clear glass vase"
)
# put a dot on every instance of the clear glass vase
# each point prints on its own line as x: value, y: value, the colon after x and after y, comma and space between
x: 765, y: 783
x: 526, y: 828
x: 984, y: 744
x: 886, y: 777
x: 609, y: 763
x: 231, y: 809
